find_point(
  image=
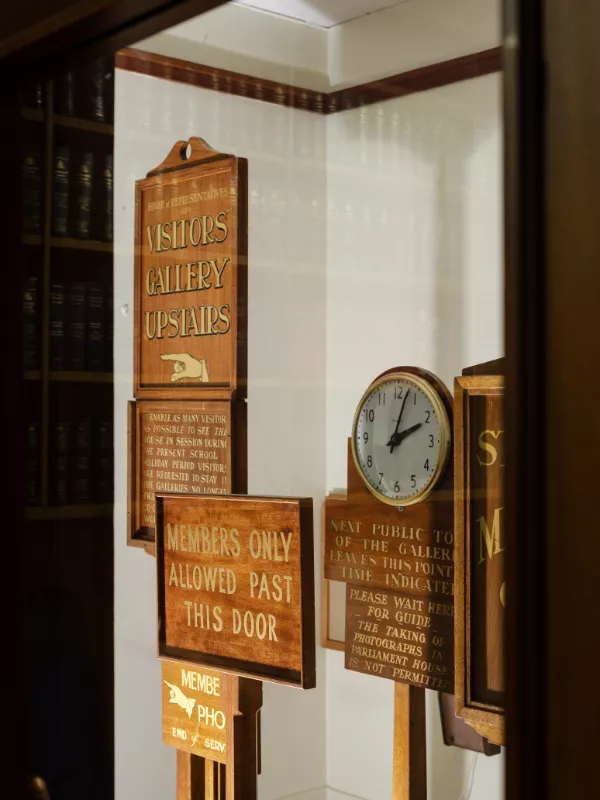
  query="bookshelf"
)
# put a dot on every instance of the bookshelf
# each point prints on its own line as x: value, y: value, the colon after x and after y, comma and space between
x: 68, y: 376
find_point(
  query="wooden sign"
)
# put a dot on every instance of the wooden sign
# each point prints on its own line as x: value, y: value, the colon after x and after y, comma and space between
x: 400, y: 637
x: 370, y: 544
x: 236, y: 585
x: 196, y: 447
x: 198, y: 706
x: 213, y: 720
x: 190, y: 276
x: 480, y: 580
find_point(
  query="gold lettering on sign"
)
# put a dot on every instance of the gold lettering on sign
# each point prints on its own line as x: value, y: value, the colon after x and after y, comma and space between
x: 493, y: 540
x: 490, y: 449
x: 186, y: 452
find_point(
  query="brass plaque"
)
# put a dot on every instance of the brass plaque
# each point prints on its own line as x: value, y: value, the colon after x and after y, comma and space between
x: 190, y: 288
x: 400, y: 637
x: 236, y: 585
x: 198, y: 707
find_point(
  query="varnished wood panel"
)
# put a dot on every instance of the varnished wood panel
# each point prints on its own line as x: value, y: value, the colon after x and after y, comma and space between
x: 368, y: 543
x: 480, y: 588
x: 399, y: 637
x: 190, y: 276
x: 191, y: 446
x: 236, y: 585
x: 410, y: 745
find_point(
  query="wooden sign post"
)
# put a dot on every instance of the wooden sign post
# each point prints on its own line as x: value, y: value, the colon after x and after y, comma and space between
x: 213, y: 717
x: 187, y: 428
x: 398, y: 560
x: 236, y: 585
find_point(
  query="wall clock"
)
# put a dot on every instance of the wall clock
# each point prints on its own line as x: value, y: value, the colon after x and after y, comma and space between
x: 401, y: 436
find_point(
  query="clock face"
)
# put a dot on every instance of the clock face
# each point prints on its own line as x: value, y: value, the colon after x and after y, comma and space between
x: 401, y: 438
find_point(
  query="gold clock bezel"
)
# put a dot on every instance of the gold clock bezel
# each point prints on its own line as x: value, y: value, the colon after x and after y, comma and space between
x: 445, y: 436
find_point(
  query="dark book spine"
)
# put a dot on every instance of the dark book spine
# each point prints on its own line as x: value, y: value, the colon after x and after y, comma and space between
x: 57, y: 326
x: 109, y: 95
x: 107, y: 179
x: 32, y: 96
x: 32, y: 189
x: 32, y: 465
x: 110, y: 330
x: 30, y: 326
x: 103, y: 462
x: 80, y: 473
x: 95, y: 328
x: 66, y: 95
x: 60, y: 466
x: 60, y: 192
x: 83, y: 196
x: 98, y: 81
x: 75, y: 344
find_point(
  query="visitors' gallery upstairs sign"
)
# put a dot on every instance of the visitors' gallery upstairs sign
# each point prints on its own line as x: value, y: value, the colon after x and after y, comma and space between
x: 236, y: 585
x: 191, y: 281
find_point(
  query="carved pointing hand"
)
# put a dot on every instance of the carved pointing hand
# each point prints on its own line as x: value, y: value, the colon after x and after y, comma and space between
x: 186, y: 366
x: 179, y: 699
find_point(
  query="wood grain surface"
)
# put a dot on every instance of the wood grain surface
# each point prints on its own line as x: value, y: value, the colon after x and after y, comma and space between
x: 480, y: 551
x: 400, y: 637
x: 410, y: 744
x: 236, y: 585
x: 182, y: 447
x: 190, y: 276
x: 368, y: 543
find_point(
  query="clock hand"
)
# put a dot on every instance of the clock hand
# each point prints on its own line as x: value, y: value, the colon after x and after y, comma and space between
x: 396, y: 438
x: 391, y: 442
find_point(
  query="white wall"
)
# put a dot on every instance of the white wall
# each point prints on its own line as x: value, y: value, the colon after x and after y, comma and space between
x: 375, y: 240
x: 414, y: 277
x: 286, y: 397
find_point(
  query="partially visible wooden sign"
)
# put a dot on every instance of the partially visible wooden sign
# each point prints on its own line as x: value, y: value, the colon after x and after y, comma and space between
x: 457, y: 733
x: 400, y: 637
x: 196, y: 447
x: 480, y: 579
x: 236, y: 585
x: 190, y: 276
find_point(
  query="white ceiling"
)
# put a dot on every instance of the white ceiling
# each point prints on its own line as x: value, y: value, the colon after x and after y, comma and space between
x: 321, y: 13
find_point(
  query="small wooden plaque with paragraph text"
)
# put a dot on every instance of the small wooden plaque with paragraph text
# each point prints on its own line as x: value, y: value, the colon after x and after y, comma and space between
x: 236, y: 585
x: 196, y: 447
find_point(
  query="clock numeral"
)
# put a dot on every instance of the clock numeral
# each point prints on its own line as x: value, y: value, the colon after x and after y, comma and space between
x: 396, y: 487
x: 428, y: 415
x: 366, y: 437
x: 397, y: 392
x: 415, y: 399
x: 371, y: 415
x: 369, y: 461
x: 430, y: 440
x: 413, y: 481
x: 426, y: 465
x: 381, y: 402
x: 380, y: 479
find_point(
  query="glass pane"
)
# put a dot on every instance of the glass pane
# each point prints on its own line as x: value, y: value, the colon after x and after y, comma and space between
x: 363, y: 142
